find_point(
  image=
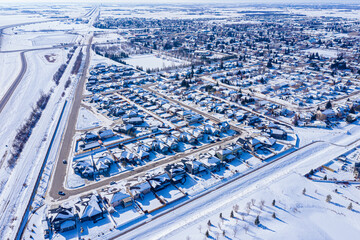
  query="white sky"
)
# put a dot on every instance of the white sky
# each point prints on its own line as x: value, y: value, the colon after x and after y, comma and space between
x: 184, y: 1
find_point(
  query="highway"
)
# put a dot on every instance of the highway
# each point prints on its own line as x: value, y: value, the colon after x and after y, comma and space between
x: 66, y: 143
x: 58, y: 176
x: 16, y: 82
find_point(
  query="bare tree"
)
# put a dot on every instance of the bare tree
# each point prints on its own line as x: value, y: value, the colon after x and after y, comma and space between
x: 253, y: 201
x: 262, y: 204
x: 248, y: 205
x: 236, y: 208
x: 235, y: 230
x: 247, y: 210
x: 199, y: 227
x: 328, y: 198
x: 246, y: 228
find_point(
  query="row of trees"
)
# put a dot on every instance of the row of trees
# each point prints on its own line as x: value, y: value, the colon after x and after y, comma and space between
x: 77, y: 64
x: 24, y: 132
x: 57, y: 76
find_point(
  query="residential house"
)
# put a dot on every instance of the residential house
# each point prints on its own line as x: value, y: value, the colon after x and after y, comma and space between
x: 117, y: 197
x: 210, y: 162
x: 88, y: 208
x: 160, y: 181
x: 138, y: 190
x: 61, y: 219
x: 177, y: 172
x: 105, y: 133
x: 193, y: 166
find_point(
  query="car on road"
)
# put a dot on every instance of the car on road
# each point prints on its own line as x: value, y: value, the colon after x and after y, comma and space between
x: 64, y: 161
x: 112, y: 183
x: 61, y: 193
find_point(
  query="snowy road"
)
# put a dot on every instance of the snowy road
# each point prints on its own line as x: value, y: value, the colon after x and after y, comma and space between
x: 13, y: 86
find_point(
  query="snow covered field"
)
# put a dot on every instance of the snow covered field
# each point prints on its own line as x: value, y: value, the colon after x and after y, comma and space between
x: 87, y: 120
x: 328, y: 53
x: 150, y: 61
x: 10, y: 65
x: 23, y: 41
x: 37, y: 78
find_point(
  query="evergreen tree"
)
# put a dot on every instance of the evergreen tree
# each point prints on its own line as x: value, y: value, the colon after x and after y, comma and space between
x: 350, y: 207
x: 273, y: 202
x: 274, y: 215
x: 352, y: 110
x: 257, y: 221
x: 221, y: 65
x: 328, y: 105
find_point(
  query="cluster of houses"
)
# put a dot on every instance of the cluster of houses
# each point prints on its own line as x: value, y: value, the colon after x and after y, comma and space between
x: 297, y: 68
x: 65, y: 217
x: 89, y: 140
x: 104, y: 78
x: 134, y: 152
x: 90, y: 165
x: 92, y: 207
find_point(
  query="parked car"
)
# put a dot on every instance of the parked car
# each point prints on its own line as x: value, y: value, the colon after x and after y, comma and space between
x: 112, y: 183
x: 61, y: 193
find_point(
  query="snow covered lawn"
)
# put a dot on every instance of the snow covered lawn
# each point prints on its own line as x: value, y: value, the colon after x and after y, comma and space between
x: 126, y: 215
x: 150, y: 203
x: 170, y: 194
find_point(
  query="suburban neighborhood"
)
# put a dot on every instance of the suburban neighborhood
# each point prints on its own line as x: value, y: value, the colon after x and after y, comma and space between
x: 175, y: 121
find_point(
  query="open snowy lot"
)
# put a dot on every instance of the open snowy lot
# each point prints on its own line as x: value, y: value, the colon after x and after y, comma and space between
x: 87, y: 120
x: 150, y: 61
x: 10, y: 65
x: 23, y: 41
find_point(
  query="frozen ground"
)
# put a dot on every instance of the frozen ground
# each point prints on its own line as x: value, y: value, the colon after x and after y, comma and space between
x: 150, y: 61
x: 328, y: 53
x: 87, y: 120
x: 10, y: 65
x: 8, y: 18
x: 108, y: 37
x: 22, y: 41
